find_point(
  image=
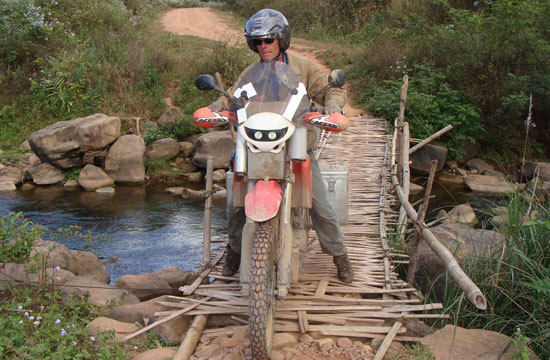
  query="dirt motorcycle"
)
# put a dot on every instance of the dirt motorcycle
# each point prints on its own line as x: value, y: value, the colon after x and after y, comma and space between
x: 271, y: 180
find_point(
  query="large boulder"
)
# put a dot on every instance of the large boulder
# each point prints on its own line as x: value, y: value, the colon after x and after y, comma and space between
x: 92, y: 178
x: 421, y: 160
x: 171, y: 115
x: 462, y: 214
x: 186, y: 148
x: 219, y: 144
x: 89, y: 266
x: 23, y: 273
x: 156, y: 353
x: 461, y: 240
x: 530, y: 170
x: 126, y: 160
x: 140, y: 312
x: 11, y: 174
x: 479, y: 165
x: 120, y: 329
x: 144, y: 286
x: 174, y: 276
x: 63, y: 142
x: 54, y: 254
x: 488, y: 185
x: 7, y: 186
x: 162, y: 149
x: 454, y: 342
x: 46, y: 174
x: 100, y: 294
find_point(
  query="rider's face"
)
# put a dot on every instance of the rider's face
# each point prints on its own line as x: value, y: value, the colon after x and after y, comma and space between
x: 268, y: 51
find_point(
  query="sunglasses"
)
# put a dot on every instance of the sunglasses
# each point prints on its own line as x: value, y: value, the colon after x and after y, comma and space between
x: 258, y: 42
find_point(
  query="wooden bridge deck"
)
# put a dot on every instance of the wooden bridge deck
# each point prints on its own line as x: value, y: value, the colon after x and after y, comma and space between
x: 378, y: 298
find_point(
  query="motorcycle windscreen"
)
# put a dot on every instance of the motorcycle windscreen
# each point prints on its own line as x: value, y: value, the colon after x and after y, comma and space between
x: 263, y: 201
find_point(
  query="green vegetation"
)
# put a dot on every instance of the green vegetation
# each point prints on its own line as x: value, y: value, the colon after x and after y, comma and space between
x: 472, y: 64
x: 35, y: 323
x: 64, y: 59
x: 515, y: 281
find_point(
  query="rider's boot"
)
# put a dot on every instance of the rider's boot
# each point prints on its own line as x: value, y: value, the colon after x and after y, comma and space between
x: 343, y: 265
x: 232, y: 263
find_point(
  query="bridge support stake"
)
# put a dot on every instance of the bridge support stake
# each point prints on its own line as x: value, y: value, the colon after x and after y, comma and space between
x: 413, y: 245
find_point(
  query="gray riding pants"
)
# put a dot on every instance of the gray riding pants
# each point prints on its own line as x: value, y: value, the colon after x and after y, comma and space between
x: 323, y: 217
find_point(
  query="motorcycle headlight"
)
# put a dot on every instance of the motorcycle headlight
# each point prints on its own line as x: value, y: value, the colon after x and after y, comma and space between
x: 258, y: 135
x: 265, y: 135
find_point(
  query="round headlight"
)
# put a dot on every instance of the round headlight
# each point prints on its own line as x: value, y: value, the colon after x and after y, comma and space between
x: 258, y: 135
x: 272, y: 135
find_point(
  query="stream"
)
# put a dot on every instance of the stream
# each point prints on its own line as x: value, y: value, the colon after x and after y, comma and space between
x: 144, y: 227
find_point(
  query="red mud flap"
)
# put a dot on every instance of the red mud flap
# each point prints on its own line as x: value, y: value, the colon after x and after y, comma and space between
x: 262, y: 203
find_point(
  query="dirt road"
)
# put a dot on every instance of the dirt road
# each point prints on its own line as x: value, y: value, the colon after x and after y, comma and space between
x: 204, y: 22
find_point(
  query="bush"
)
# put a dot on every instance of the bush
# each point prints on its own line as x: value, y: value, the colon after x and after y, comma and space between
x: 431, y: 105
x: 17, y: 238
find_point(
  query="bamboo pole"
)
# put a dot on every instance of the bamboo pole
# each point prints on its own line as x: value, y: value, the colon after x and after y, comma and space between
x: 429, y: 139
x: 405, y: 181
x: 190, y: 194
x: 400, y: 121
x: 231, y: 128
x: 207, y: 219
x: 413, y: 245
x: 463, y: 281
x: 191, y: 339
x: 388, y: 340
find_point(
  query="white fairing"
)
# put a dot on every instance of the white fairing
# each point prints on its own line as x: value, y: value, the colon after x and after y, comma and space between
x: 266, y: 122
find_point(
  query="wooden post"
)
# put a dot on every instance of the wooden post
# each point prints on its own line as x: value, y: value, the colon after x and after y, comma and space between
x: 207, y: 219
x: 399, y: 125
x: 451, y: 265
x: 413, y: 245
x: 405, y: 180
x: 231, y: 128
x: 191, y: 339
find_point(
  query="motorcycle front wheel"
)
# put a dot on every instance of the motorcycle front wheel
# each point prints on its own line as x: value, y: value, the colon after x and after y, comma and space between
x: 261, y: 311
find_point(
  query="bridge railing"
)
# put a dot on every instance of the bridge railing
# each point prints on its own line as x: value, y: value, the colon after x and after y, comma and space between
x: 401, y: 180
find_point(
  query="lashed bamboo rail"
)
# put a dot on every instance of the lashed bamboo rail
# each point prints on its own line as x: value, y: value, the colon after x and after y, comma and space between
x: 430, y: 138
x: 451, y: 265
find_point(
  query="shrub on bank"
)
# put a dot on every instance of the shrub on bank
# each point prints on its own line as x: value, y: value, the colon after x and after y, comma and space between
x: 515, y: 281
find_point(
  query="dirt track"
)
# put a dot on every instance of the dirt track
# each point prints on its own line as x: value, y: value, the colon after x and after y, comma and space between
x: 203, y: 22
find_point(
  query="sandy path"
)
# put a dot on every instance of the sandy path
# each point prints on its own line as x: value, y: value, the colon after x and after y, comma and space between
x: 204, y: 22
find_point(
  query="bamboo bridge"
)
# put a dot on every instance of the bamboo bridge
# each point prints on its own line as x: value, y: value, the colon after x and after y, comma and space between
x: 378, y: 303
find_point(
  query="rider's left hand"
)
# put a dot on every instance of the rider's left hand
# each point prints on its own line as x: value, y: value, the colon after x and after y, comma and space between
x: 332, y: 107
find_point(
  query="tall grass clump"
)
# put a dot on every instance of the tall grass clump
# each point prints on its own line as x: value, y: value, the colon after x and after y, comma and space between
x: 515, y: 279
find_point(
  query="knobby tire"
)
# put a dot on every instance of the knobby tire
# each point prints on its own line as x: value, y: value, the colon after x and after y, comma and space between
x: 261, y: 311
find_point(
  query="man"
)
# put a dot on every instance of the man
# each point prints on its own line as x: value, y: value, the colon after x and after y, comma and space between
x: 267, y: 33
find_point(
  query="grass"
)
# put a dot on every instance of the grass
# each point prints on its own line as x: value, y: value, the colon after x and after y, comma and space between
x: 515, y: 281
x: 36, y: 323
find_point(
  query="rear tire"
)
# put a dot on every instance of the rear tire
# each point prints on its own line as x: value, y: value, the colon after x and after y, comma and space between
x: 261, y: 310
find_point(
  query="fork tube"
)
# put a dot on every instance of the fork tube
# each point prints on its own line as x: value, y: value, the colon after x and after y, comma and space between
x: 240, y: 156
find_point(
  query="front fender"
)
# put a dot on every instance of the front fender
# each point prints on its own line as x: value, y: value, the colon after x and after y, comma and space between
x: 263, y: 201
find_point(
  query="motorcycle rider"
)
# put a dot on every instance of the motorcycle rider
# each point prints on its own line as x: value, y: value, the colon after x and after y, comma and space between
x: 268, y: 33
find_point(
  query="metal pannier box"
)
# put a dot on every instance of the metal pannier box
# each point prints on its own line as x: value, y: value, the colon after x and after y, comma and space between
x: 335, y: 178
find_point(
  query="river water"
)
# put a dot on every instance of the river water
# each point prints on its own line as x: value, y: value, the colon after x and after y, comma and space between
x: 145, y: 228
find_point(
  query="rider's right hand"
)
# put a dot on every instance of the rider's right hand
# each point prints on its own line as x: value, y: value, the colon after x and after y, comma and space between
x: 217, y: 105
